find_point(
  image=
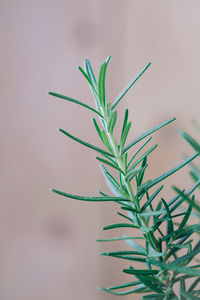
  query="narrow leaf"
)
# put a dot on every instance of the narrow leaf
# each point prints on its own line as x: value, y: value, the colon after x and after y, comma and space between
x: 124, y: 122
x: 122, y: 253
x: 86, y: 77
x: 136, y: 246
x: 140, y: 272
x: 187, y: 215
x: 167, y: 174
x: 170, y: 227
x: 112, y: 121
x: 182, y: 289
x: 114, y: 166
x: 140, y: 148
x: 112, y: 183
x: 190, y: 140
x: 125, y: 285
x: 151, y: 213
x: 90, y: 72
x: 154, y: 297
x: 125, y: 90
x: 142, y: 157
x: 84, y: 198
x: 125, y: 134
x: 141, y: 288
x: 151, y: 198
x: 147, y: 133
x: 132, y: 173
x: 119, y: 225
x: 101, y: 83
x: 85, y: 143
x: 75, y: 101
x: 120, y: 239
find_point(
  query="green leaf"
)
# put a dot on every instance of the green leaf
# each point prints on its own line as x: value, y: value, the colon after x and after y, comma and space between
x: 124, y: 135
x: 169, y: 173
x: 170, y: 227
x: 84, y: 198
x: 154, y: 297
x: 119, y: 225
x: 136, y: 246
x: 147, y: 133
x: 112, y: 121
x: 145, y: 230
x: 98, y: 130
x: 140, y: 289
x: 102, y: 136
x: 122, y: 215
x: 75, y: 101
x: 190, y: 140
x: 122, y: 253
x: 142, y: 157
x: 132, y: 173
x: 131, y: 258
x: 151, y: 198
x: 124, y: 122
x: 87, y: 78
x: 101, y: 83
x: 140, y: 148
x: 85, y: 143
x: 125, y: 90
x: 129, y: 208
x: 119, y: 254
x: 105, y: 141
x: 120, y: 239
x: 151, y: 213
x: 113, y: 165
x: 112, y: 183
x: 187, y: 215
x: 89, y: 71
x: 140, y: 272
x: 143, y: 166
x: 125, y: 285
x: 182, y: 289
x: 89, y: 75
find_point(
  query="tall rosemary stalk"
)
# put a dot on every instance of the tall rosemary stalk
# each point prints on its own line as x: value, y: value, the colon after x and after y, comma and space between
x: 165, y: 251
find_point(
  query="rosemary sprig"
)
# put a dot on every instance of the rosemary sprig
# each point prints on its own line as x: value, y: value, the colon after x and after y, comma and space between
x: 161, y: 267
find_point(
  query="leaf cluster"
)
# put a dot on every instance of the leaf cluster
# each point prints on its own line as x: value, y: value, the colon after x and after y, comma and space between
x: 166, y: 249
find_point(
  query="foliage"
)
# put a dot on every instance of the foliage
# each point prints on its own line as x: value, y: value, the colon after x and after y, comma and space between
x: 166, y: 250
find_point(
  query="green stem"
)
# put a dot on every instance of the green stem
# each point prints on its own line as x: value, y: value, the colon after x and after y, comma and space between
x: 119, y: 159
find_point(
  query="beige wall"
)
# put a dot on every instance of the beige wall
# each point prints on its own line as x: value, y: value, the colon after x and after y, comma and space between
x: 47, y: 248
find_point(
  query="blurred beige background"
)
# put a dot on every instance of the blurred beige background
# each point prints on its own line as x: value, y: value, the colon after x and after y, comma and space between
x: 47, y: 248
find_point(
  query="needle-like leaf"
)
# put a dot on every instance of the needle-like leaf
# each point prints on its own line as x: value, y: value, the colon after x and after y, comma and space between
x: 131, y: 83
x: 84, y: 198
x: 147, y: 133
x: 75, y: 101
x: 85, y: 143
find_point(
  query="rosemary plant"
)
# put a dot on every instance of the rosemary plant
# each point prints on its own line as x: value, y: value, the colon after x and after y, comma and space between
x: 166, y: 246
